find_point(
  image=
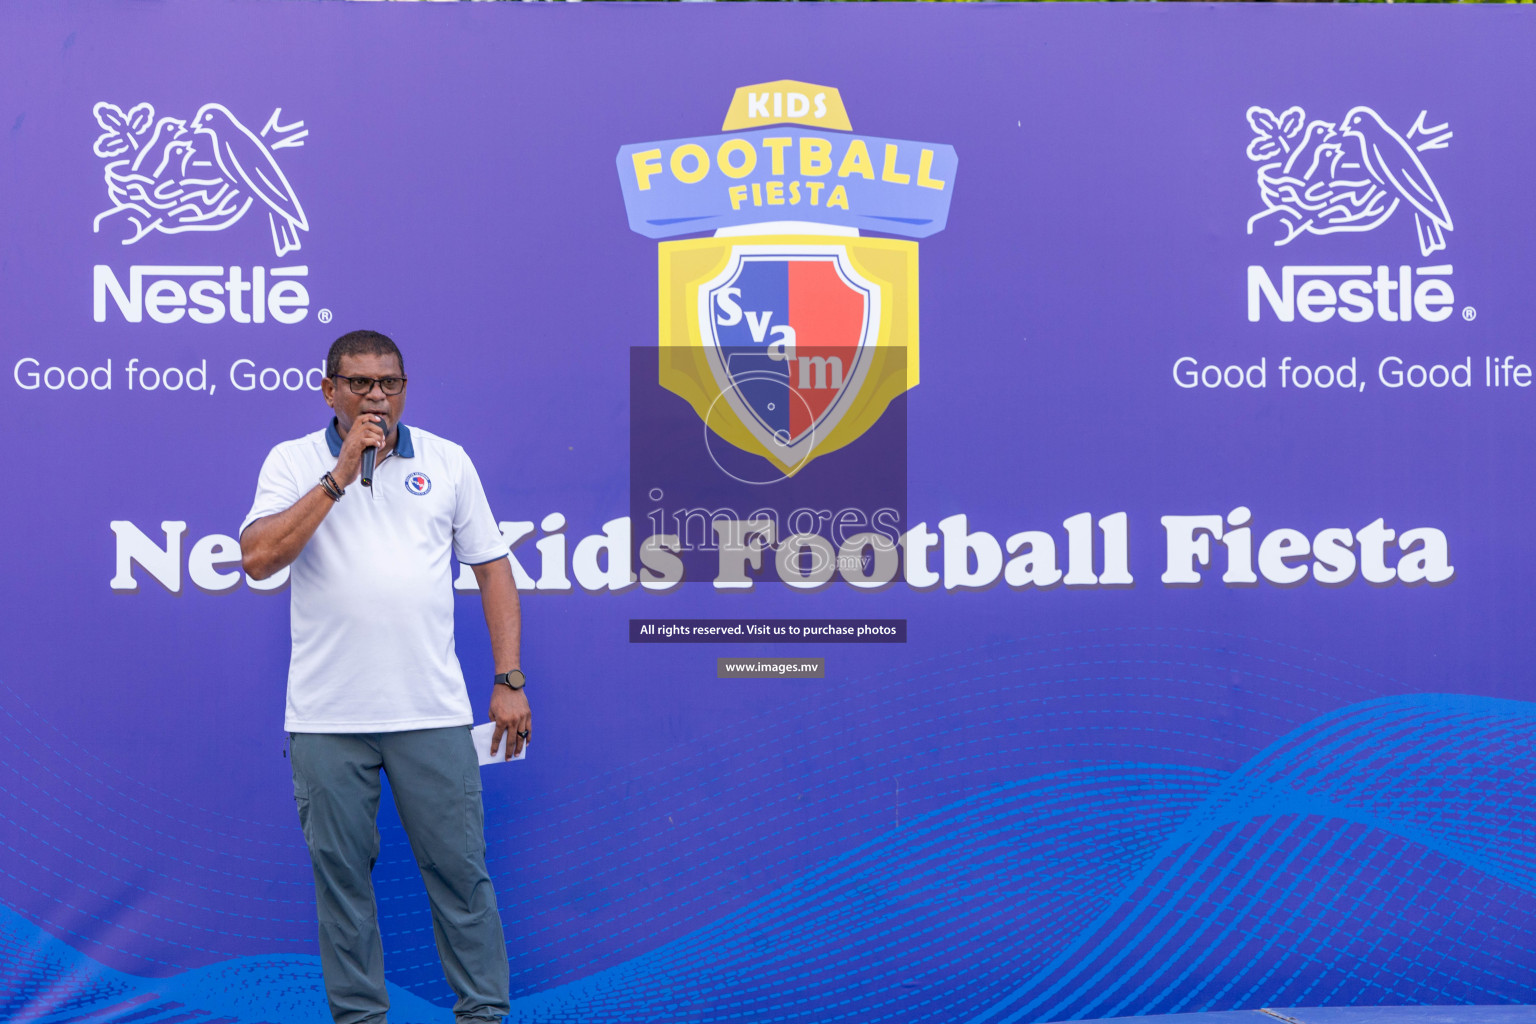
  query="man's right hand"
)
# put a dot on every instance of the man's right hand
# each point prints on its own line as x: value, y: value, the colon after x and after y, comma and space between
x: 367, y: 432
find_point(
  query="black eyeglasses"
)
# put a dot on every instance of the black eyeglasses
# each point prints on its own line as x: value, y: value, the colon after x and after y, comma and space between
x: 363, y: 385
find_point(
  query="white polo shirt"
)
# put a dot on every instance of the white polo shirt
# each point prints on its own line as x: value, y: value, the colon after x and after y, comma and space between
x: 372, y: 601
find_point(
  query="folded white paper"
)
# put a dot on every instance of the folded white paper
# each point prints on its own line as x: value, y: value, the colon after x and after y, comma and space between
x: 482, y: 734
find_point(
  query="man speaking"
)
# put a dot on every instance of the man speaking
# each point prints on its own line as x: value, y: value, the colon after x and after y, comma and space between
x: 367, y: 512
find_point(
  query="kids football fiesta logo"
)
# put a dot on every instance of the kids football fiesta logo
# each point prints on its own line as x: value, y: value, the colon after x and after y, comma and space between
x: 787, y: 330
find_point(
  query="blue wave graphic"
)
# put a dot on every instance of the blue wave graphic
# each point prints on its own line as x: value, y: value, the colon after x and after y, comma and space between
x: 44, y: 981
x: 1364, y: 858
x: 1385, y: 853
x: 154, y: 882
x: 1111, y: 827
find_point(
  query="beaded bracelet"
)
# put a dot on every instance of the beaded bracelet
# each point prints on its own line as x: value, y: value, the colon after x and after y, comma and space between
x: 332, y: 489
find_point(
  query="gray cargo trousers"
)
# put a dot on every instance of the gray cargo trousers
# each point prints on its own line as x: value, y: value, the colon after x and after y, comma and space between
x: 435, y: 778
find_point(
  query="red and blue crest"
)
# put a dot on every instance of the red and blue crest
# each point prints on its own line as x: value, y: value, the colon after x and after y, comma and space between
x: 789, y: 331
x: 789, y: 346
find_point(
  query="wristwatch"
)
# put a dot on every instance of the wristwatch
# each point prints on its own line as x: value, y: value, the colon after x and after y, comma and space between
x: 514, y: 680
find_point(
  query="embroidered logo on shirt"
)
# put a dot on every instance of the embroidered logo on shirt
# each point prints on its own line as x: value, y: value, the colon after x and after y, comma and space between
x: 418, y: 483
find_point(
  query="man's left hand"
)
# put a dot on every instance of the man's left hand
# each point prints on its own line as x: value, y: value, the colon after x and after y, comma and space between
x: 510, y: 712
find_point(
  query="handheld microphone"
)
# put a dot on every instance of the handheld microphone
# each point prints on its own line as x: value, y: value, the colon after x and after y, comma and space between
x: 370, y: 456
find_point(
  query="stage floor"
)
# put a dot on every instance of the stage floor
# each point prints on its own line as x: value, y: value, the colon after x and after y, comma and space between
x: 1347, y: 1015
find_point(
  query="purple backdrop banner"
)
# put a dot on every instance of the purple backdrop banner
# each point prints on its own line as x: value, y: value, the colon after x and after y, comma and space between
x: 1163, y: 374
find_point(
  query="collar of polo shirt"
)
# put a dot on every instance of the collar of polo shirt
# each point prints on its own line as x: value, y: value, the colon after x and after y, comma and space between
x: 402, y: 440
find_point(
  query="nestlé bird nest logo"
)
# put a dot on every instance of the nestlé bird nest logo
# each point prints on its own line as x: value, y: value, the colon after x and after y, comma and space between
x: 1321, y: 177
x: 203, y: 173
